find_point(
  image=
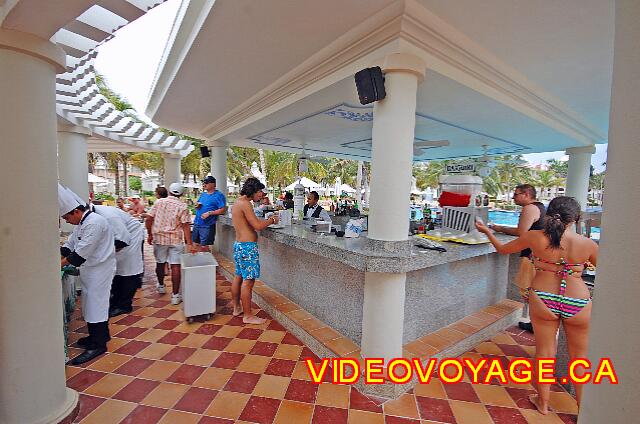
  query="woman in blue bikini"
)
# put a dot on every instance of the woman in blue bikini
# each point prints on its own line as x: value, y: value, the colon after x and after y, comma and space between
x: 557, y: 293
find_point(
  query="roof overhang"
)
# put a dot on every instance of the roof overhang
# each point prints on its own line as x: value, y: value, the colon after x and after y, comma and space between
x: 289, y: 84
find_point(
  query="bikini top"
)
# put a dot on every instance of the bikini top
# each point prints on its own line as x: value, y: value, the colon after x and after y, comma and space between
x: 565, y: 272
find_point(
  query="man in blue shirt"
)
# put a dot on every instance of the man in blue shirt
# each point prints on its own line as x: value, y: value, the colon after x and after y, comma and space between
x: 211, y: 203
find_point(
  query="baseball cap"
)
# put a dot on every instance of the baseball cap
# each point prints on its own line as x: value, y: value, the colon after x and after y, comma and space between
x: 265, y: 191
x: 134, y: 196
x: 176, y: 188
x: 209, y: 179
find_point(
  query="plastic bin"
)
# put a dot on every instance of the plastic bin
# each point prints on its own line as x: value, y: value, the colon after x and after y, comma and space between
x: 198, y: 272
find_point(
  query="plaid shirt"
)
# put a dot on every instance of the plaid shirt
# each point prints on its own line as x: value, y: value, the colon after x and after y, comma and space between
x: 168, y: 216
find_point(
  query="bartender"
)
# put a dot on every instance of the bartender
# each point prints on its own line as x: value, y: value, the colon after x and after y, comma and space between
x: 313, y: 210
x: 90, y: 248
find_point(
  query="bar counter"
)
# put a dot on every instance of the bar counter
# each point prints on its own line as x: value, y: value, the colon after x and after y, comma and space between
x: 324, y: 274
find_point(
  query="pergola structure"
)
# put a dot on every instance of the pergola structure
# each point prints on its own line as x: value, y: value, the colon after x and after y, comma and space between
x: 52, y: 115
x: 535, y: 75
x: 88, y: 122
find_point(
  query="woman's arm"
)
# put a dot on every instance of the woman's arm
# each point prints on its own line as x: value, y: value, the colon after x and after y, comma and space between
x: 513, y: 246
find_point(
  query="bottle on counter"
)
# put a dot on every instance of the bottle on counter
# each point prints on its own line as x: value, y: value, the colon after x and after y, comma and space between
x: 426, y: 212
x: 298, y: 201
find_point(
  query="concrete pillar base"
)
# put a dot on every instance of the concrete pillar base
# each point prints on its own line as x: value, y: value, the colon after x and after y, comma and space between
x: 383, y: 315
x: 69, y: 410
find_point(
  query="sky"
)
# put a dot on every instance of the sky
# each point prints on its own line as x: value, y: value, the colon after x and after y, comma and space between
x: 129, y: 62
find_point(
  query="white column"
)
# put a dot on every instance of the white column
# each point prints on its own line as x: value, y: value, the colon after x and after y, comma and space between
x: 383, y: 315
x: 393, y: 135
x: 32, y: 376
x: 578, y: 173
x: 615, y: 317
x: 391, y: 160
x: 72, y: 158
x: 359, y: 185
x: 219, y: 164
x: 171, y: 169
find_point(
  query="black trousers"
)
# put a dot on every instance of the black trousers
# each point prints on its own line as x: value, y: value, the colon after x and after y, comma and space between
x: 122, y: 291
x: 99, y: 333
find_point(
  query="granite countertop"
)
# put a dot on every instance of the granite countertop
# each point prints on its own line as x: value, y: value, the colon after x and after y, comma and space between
x: 357, y: 252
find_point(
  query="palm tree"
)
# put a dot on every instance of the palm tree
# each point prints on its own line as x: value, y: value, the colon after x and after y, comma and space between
x: 559, y: 168
x: 147, y: 161
x: 546, y: 179
x: 119, y: 102
x: 431, y: 176
x: 596, y: 182
x: 346, y: 169
x: 113, y: 164
x: 239, y: 160
x: 281, y: 167
x: 507, y: 173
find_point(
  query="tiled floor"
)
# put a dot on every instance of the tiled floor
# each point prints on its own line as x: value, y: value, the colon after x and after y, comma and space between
x: 160, y: 369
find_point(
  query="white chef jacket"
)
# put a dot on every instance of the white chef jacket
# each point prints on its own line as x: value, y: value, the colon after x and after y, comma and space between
x: 92, y: 239
x: 128, y: 230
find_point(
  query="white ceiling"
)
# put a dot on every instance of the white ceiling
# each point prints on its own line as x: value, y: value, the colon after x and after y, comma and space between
x: 251, y: 72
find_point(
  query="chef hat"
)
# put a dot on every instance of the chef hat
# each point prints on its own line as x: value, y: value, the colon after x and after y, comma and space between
x: 67, y: 200
x: 78, y: 198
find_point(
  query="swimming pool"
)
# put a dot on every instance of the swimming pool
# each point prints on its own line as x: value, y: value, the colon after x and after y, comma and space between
x: 511, y: 219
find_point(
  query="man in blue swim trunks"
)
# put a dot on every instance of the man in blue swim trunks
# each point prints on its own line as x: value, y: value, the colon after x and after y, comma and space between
x: 211, y: 203
x: 245, y: 249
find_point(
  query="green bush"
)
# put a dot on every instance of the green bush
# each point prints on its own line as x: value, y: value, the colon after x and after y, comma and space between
x: 104, y: 196
x: 147, y: 193
x: 135, y: 183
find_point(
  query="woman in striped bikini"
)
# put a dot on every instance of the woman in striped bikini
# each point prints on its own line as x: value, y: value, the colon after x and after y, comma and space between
x: 557, y: 294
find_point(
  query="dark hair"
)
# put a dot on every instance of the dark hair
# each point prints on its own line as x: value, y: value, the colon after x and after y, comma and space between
x: 561, y: 212
x: 527, y: 188
x: 251, y: 186
x: 162, y: 192
x: 288, y: 195
x: 315, y: 195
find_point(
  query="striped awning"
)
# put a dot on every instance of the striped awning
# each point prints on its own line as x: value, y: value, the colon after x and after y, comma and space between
x: 78, y: 98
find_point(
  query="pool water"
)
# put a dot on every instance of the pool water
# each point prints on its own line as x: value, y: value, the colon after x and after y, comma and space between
x: 511, y: 219
x: 504, y: 218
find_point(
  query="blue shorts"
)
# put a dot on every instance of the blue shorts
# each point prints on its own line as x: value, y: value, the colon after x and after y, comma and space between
x: 247, y: 259
x: 204, y: 236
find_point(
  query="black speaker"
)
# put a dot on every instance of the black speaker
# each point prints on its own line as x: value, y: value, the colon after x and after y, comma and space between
x: 204, y: 151
x: 370, y: 85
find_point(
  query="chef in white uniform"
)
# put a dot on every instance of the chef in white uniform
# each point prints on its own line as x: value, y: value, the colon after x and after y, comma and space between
x: 90, y: 248
x: 129, y: 236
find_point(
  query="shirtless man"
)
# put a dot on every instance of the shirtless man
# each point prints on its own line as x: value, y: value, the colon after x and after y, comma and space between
x: 137, y: 208
x: 245, y: 249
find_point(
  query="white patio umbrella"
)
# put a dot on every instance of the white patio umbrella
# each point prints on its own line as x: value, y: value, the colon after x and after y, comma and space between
x: 306, y: 182
x: 191, y: 184
x: 96, y: 180
x: 346, y: 188
x: 338, y: 186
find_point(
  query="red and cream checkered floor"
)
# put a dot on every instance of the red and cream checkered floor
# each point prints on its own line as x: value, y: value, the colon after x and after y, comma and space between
x: 160, y: 369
